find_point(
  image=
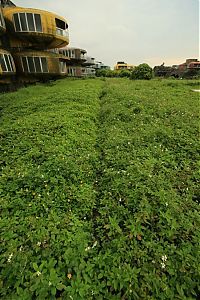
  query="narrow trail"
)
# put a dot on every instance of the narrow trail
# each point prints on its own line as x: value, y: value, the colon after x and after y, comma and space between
x: 97, y: 223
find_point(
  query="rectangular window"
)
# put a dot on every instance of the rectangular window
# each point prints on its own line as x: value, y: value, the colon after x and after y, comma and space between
x: 31, y: 65
x: 9, y: 67
x: 63, y: 68
x: 61, y: 27
x: 23, y: 22
x: 44, y: 65
x: 25, y: 64
x: 38, y: 22
x: 38, y: 66
x: 27, y: 22
x: 30, y: 20
x: 3, y: 63
x: 6, y: 63
x: 34, y: 64
x: 16, y: 21
x: 11, y: 62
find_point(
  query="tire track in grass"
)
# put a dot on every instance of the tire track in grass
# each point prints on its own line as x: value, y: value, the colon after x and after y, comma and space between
x: 100, y: 165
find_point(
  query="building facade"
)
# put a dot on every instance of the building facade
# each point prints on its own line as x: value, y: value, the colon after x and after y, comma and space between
x: 121, y: 65
x: 26, y: 36
x: 34, y: 47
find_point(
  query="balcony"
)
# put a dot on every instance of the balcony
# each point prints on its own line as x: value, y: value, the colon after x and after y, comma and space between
x: 76, y: 55
x: 89, y: 61
x: 62, y: 32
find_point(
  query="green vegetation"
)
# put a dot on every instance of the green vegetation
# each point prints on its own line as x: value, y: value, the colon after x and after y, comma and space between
x: 99, y: 193
x: 113, y: 73
x: 193, y: 73
x: 143, y: 71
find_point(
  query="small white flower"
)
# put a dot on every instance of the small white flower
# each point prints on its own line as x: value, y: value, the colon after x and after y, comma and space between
x: 166, y: 204
x: 163, y: 265
x: 38, y: 273
x: 87, y: 249
x: 10, y: 257
x: 39, y: 244
x: 164, y: 258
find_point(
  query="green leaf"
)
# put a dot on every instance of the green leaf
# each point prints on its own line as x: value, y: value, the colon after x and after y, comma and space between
x: 35, y: 267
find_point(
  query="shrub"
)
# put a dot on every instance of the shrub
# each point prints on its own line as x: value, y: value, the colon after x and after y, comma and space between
x: 143, y: 71
x: 101, y: 73
x: 124, y: 73
x: 191, y: 73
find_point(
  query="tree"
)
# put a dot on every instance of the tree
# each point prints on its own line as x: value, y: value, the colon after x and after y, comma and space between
x: 101, y: 73
x: 191, y: 73
x: 124, y: 73
x: 143, y: 71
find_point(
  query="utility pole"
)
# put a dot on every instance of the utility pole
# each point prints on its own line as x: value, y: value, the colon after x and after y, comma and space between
x: 6, y: 3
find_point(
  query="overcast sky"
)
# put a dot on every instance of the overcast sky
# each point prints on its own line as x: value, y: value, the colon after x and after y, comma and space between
x: 134, y: 31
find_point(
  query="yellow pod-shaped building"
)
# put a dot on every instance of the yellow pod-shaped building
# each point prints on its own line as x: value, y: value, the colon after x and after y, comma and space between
x: 40, y: 64
x: 38, y: 28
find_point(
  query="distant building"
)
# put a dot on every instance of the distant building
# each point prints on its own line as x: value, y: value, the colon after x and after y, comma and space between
x: 99, y: 66
x: 191, y: 64
x: 121, y: 65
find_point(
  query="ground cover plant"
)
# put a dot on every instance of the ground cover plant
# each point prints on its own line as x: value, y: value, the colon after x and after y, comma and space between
x: 99, y: 191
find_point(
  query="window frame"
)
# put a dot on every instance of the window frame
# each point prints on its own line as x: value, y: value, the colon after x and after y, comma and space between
x: 27, y: 22
x: 10, y: 61
x: 63, y: 67
x: 40, y: 61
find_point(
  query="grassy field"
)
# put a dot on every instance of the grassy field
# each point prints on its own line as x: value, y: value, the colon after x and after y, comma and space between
x: 99, y: 191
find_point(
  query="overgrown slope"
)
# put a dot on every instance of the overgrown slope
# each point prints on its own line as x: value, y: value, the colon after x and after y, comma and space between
x: 99, y: 191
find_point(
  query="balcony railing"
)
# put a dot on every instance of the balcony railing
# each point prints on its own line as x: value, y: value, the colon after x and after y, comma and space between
x: 62, y: 32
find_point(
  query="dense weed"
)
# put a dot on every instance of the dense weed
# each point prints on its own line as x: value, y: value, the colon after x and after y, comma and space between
x: 100, y: 191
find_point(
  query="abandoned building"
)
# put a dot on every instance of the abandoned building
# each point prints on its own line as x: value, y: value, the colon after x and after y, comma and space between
x: 33, y: 46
